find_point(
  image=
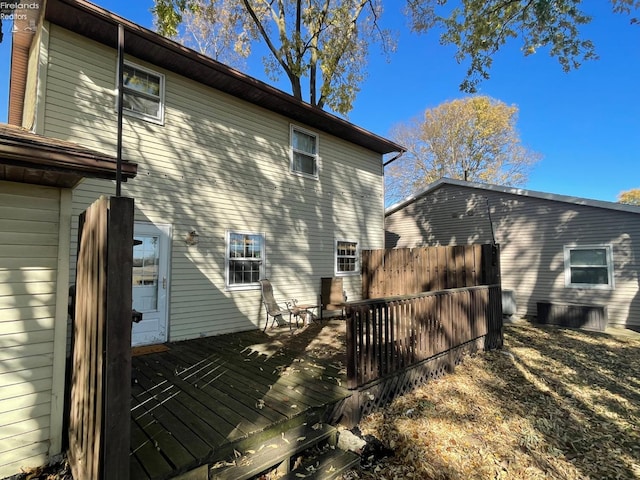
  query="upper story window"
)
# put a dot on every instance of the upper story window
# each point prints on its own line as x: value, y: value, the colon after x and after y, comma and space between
x: 143, y: 93
x: 589, y: 266
x: 347, y: 258
x: 304, y: 152
x: 245, y: 259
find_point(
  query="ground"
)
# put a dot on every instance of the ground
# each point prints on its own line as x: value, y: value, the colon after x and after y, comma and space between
x: 553, y: 403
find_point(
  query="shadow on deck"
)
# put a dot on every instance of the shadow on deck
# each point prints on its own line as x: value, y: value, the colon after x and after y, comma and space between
x: 200, y: 401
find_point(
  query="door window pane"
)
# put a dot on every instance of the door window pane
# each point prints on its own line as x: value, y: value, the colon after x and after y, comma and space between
x: 146, y: 261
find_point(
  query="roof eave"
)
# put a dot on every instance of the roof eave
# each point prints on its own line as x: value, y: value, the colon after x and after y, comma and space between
x: 512, y: 191
x: 101, y: 25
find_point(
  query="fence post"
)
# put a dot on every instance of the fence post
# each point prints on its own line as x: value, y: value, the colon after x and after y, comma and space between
x: 100, y: 411
x: 352, y: 382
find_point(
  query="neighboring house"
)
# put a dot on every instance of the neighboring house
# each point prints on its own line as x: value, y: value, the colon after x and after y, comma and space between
x: 36, y: 178
x: 554, y: 248
x: 237, y: 180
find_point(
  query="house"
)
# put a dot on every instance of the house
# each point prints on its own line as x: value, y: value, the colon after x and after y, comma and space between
x: 37, y: 175
x: 237, y: 180
x: 554, y: 248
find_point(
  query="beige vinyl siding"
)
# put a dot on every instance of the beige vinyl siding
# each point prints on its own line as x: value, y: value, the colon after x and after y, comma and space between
x: 217, y: 164
x: 532, y: 233
x: 29, y: 264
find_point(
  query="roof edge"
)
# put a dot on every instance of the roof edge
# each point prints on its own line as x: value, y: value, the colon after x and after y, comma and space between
x: 99, y: 24
x: 587, y: 202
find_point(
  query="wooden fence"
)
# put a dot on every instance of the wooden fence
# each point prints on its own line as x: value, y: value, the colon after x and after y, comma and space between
x: 396, y: 344
x: 99, y: 416
x: 387, y: 335
x: 405, y: 271
x: 424, y: 308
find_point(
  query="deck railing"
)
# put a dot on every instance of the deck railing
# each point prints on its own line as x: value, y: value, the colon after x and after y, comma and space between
x: 389, y: 335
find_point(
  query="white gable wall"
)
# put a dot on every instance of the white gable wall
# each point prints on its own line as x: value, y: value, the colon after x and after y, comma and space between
x: 217, y: 163
x: 532, y: 233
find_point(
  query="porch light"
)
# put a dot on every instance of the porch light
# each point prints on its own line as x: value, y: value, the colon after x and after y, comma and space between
x: 192, y: 238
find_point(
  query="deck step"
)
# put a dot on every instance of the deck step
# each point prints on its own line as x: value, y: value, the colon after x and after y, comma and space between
x: 326, y: 466
x: 274, y: 451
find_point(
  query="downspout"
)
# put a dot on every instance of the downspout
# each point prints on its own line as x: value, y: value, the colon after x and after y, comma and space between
x: 402, y: 152
x: 384, y: 196
x: 120, y: 95
x: 493, y: 235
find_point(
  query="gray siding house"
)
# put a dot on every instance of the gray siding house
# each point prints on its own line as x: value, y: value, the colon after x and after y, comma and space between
x: 554, y: 248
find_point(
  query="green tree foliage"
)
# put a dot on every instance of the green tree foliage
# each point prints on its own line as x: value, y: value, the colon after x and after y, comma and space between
x: 320, y: 41
x: 473, y: 139
x: 479, y: 28
x: 630, y: 197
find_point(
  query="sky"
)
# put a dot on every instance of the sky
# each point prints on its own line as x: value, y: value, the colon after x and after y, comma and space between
x: 585, y: 123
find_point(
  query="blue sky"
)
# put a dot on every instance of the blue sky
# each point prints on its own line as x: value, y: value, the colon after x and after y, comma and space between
x: 585, y: 123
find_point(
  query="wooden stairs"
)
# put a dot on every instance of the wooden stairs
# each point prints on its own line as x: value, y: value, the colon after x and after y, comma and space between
x: 304, y: 451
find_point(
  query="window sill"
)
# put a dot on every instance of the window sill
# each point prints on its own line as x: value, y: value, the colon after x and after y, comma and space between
x: 588, y: 286
x: 141, y: 116
x: 242, y: 288
x: 347, y: 274
x: 305, y: 175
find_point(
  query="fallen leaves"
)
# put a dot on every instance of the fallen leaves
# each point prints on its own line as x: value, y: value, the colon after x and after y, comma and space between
x: 554, y: 403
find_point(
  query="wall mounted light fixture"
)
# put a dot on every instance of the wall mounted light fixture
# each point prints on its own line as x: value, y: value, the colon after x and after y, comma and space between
x: 192, y: 238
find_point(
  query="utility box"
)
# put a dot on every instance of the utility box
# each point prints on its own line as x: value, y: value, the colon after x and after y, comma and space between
x: 508, y: 302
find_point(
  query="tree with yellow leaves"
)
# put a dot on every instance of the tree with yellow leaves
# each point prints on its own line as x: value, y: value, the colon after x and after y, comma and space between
x: 473, y: 139
x: 630, y: 197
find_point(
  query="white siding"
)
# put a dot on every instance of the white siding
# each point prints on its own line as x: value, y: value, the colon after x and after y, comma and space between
x: 217, y: 163
x: 532, y: 233
x: 29, y: 230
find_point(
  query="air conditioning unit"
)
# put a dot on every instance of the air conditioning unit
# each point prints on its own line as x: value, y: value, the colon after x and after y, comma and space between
x: 508, y: 302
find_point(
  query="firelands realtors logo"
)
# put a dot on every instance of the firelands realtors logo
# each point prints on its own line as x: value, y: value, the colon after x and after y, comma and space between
x: 16, y: 10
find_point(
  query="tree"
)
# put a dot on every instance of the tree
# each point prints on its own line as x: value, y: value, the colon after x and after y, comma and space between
x: 323, y: 42
x: 473, y: 139
x: 630, y: 197
x: 479, y: 28
x: 205, y: 28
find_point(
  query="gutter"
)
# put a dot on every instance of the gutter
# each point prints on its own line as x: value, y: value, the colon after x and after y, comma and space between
x: 402, y: 152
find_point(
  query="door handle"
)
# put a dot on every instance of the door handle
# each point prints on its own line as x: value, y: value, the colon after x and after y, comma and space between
x: 164, y: 283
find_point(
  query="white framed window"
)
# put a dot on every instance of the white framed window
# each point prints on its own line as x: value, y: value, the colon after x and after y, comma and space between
x: 588, y: 266
x: 142, y: 93
x: 245, y: 259
x: 304, y: 152
x: 347, y: 258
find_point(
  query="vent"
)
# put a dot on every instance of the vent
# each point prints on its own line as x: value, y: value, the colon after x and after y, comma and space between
x: 588, y: 317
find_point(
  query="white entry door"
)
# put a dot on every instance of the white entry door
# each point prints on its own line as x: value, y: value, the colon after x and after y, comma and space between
x: 150, y: 282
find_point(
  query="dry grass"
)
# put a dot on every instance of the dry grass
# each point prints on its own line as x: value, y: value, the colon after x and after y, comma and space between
x: 554, y: 403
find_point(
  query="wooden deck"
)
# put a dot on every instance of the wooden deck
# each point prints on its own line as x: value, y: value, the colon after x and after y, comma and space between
x: 200, y: 400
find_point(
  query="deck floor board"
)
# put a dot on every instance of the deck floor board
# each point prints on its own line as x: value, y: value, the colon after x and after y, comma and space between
x: 194, y: 402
